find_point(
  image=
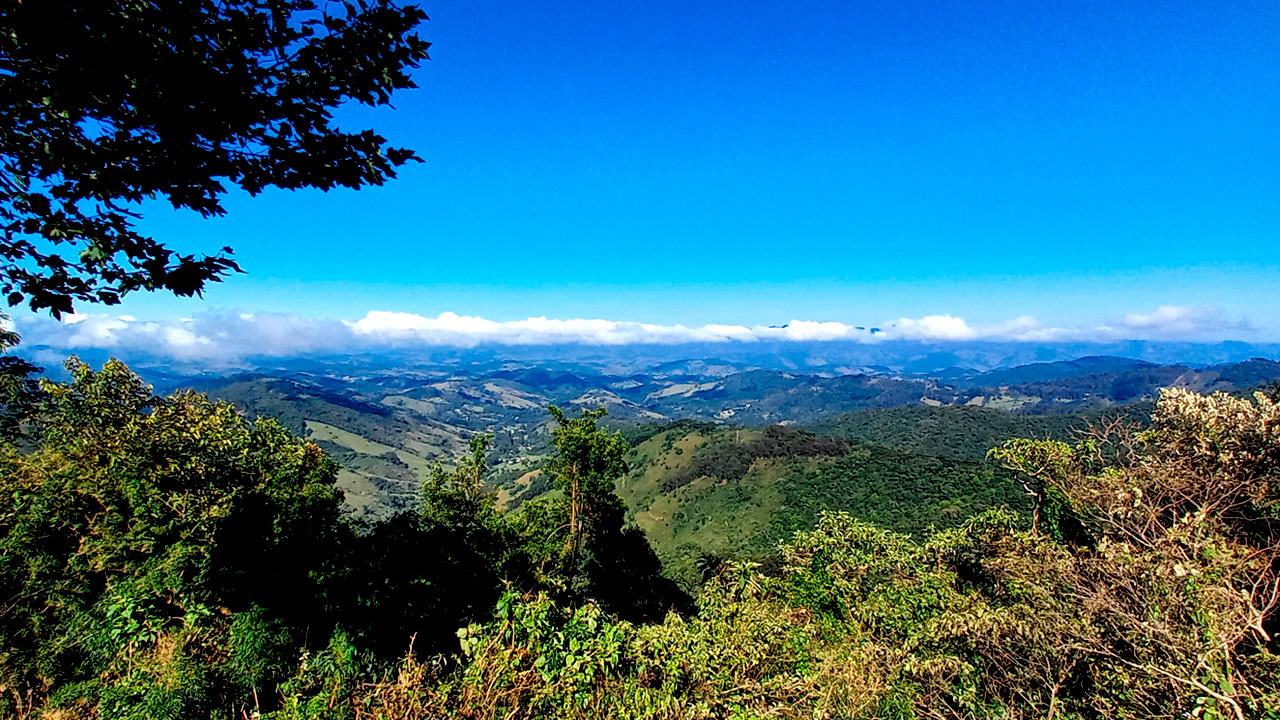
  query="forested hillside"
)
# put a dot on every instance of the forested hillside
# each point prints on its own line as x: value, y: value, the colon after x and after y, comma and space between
x: 165, y: 557
x: 704, y: 493
x: 707, y: 490
x: 386, y: 425
x: 962, y: 433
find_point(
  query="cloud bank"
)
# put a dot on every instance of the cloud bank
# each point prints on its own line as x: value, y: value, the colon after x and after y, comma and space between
x: 227, y: 337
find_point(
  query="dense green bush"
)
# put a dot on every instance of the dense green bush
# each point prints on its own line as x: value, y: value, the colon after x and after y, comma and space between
x: 159, y: 557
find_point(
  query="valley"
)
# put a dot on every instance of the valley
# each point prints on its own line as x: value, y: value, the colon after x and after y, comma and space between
x: 726, y: 461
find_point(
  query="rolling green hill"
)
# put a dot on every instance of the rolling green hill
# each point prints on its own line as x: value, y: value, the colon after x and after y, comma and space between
x: 703, y: 493
x: 383, y: 451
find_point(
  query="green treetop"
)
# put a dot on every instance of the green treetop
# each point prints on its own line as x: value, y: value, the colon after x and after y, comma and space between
x: 587, y: 463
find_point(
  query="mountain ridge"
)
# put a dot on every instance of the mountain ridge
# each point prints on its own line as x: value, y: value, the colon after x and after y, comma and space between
x: 378, y: 420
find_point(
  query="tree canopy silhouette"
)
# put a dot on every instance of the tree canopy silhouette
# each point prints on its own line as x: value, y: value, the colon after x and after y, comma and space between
x: 106, y: 103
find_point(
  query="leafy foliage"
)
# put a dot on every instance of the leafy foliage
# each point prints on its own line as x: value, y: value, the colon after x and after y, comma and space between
x: 196, y: 95
x: 161, y: 555
x: 582, y: 532
x: 585, y: 466
x: 19, y: 391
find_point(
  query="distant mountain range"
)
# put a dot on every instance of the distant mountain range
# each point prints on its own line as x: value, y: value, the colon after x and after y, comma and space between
x: 730, y: 453
x: 388, y: 423
x: 835, y: 357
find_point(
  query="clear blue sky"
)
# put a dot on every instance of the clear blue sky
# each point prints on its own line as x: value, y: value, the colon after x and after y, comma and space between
x: 758, y: 162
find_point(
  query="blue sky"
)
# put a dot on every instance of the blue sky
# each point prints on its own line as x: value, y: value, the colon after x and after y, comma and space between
x: 755, y: 163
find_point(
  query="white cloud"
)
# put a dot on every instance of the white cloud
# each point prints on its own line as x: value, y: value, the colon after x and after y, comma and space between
x: 221, y: 337
x: 1179, y: 322
x: 452, y: 329
x: 799, y: 330
x: 933, y: 327
x: 227, y: 337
